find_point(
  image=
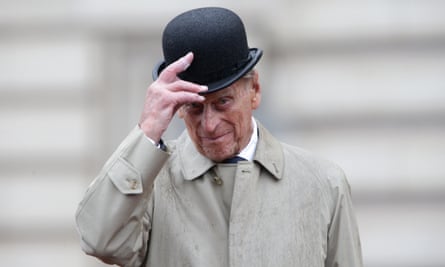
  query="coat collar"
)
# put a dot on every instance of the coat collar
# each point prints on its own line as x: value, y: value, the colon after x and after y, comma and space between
x: 268, y: 153
x: 192, y: 163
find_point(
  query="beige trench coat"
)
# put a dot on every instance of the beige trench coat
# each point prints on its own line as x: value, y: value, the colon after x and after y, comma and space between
x: 152, y: 208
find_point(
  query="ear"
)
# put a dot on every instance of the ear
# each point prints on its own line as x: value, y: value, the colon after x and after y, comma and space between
x: 180, y: 112
x: 255, y: 91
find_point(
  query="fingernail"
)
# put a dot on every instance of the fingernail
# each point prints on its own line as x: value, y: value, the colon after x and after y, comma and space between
x: 204, y: 88
x: 186, y: 63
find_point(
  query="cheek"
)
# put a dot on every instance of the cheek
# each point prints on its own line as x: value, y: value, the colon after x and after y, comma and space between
x: 243, y: 124
x: 193, y: 125
x: 190, y: 120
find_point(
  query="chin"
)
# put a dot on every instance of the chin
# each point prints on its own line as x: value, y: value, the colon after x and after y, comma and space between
x: 217, y: 155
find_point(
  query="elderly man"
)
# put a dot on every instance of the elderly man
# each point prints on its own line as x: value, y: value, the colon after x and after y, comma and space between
x: 225, y: 192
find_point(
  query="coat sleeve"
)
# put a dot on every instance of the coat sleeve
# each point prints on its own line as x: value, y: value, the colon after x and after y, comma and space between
x: 344, y: 248
x: 114, y: 217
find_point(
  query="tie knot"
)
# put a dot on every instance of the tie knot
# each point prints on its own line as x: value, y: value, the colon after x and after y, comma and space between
x: 233, y: 159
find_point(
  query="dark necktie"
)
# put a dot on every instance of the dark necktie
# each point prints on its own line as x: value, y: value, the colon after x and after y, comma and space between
x: 233, y: 159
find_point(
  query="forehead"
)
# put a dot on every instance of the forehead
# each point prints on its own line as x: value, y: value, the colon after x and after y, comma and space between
x: 232, y: 90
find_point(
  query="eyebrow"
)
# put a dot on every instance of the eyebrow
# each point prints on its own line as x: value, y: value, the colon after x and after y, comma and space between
x: 223, y: 94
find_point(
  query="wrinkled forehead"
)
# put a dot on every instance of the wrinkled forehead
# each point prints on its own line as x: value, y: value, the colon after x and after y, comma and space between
x: 233, y: 90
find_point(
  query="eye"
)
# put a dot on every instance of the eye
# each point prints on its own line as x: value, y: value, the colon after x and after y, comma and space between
x: 223, y: 102
x: 193, y: 107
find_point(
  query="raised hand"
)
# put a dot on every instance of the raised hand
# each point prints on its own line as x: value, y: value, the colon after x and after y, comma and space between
x: 165, y: 96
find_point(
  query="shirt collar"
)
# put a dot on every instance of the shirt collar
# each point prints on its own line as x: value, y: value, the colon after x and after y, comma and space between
x: 249, y: 151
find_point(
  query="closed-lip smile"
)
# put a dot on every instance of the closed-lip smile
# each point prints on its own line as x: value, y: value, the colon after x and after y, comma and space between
x: 213, y: 138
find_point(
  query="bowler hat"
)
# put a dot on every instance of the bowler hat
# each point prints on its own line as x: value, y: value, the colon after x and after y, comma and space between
x: 217, y: 38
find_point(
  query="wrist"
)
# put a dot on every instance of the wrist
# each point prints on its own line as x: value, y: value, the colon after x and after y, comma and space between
x: 153, y: 136
x: 159, y: 144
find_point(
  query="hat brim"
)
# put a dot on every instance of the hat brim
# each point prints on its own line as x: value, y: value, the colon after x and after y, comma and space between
x: 254, y: 55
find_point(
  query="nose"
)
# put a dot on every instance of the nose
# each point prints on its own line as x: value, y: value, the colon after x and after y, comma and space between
x: 210, y: 119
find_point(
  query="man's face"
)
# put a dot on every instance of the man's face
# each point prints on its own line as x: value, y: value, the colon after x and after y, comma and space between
x: 221, y: 126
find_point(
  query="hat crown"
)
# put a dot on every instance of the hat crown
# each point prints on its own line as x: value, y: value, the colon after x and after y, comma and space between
x: 217, y: 38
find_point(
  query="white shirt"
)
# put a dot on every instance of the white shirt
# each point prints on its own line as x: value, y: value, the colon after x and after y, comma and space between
x: 249, y: 151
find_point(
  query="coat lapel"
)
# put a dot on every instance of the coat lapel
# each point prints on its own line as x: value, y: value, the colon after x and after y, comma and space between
x: 269, y: 152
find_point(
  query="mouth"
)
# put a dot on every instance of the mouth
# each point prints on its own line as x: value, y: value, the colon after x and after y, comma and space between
x: 212, y: 139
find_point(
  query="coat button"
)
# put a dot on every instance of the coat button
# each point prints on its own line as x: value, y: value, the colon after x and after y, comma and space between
x: 217, y: 180
x: 133, y: 184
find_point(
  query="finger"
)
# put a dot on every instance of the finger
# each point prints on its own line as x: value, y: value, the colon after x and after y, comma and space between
x: 186, y: 97
x: 170, y: 73
x: 181, y: 85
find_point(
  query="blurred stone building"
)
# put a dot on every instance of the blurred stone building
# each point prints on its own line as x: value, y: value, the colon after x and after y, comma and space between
x: 361, y: 83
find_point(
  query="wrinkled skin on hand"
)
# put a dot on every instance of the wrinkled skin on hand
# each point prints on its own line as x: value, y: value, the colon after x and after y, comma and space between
x: 165, y: 96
